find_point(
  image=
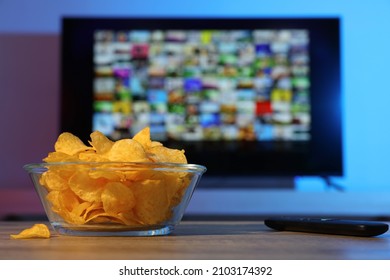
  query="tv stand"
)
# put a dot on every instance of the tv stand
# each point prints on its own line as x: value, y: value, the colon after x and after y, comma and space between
x: 247, y: 182
x: 332, y: 185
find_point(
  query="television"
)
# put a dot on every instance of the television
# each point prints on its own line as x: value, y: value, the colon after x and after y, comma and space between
x: 243, y: 96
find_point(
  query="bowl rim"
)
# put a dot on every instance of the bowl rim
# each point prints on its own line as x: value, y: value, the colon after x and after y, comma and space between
x: 119, y: 166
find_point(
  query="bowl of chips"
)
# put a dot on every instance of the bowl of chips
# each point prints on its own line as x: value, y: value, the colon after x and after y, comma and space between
x: 105, y: 190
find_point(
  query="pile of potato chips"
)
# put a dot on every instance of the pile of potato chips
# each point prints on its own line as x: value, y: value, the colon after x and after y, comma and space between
x: 113, y: 182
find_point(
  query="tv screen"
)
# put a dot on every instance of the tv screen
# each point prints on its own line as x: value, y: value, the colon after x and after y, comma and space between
x: 242, y: 96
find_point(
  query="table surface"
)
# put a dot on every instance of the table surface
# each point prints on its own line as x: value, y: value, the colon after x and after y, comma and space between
x: 196, y: 240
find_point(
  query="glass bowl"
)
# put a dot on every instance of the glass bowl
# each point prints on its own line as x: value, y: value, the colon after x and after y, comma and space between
x: 114, y: 198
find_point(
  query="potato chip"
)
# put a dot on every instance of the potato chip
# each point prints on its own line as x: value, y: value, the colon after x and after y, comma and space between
x: 127, y: 150
x: 168, y: 155
x: 53, y: 181
x: 67, y: 205
x: 81, y: 209
x: 91, y: 156
x: 94, y: 206
x: 143, y: 137
x: 100, y: 142
x: 140, y: 175
x: 110, y: 175
x: 60, y: 157
x: 76, y: 215
x: 155, y: 144
x: 65, y: 200
x: 85, y: 187
x: 117, y: 198
x: 175, y: 187
x: 69, y: 144
x: 101, y: 219
x: 152, y: 205
x: 72, y: 218
x: 36, y: 231
x: 97, y: 216
x: 128, y: 218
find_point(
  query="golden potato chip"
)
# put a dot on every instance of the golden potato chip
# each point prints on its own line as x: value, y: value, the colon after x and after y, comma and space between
x: 127, y: 150
x: 94, y: 206
x: 110, y: 175
x: 85, y: 187
x: 54, y: 198
x: 97, y: 216
x: 65, y: 200
x: 72, y: 218
x: 53, y: 181
x: 140, y: 175
x: 67, y: 205
x: 36, y: 231
x: 69, y: 144
x: 117, y: 198
x: 91, y: 156
x: 143, y: 137
x: 59, y: 157
x: 168, y: 155
x: 175, y: 187
x: 100, y: 142
x: 128, y: 218
x: 101, y: 219
x: 152, y: 206
x: 81, y: 209
x: 76, y: 215
x: 155, y: 144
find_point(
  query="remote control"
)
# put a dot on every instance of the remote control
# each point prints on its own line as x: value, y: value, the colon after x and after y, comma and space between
x: 328, y: 226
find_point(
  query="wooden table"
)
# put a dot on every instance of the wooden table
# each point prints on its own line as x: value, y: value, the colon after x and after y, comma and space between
x: 196, y: 240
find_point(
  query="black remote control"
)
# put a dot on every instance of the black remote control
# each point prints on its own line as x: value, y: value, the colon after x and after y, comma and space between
x: 328, y: 226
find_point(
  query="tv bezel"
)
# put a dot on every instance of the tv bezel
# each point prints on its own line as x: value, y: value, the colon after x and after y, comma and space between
x: 321, y: 156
